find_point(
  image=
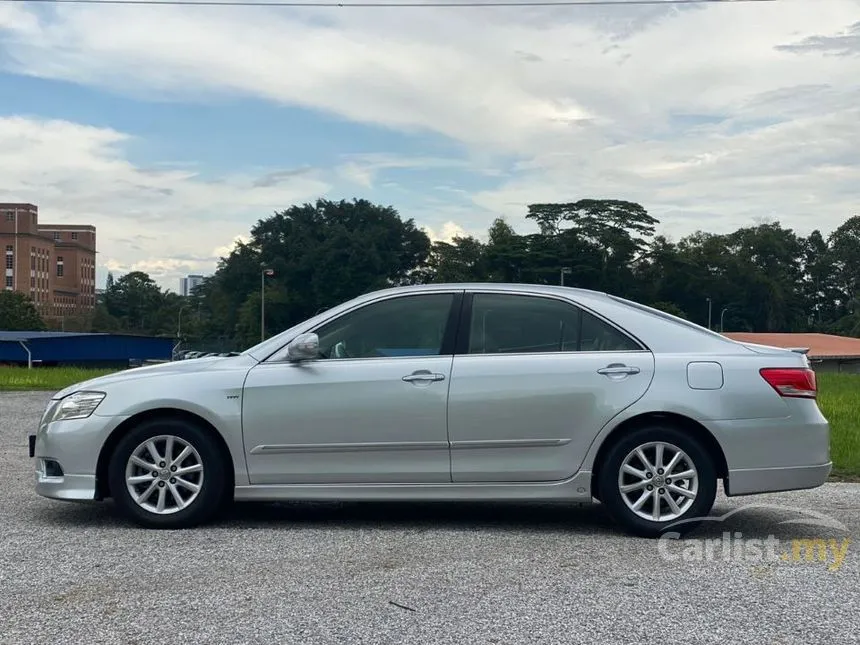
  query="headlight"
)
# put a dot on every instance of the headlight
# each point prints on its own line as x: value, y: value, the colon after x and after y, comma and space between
x: 79, y: 405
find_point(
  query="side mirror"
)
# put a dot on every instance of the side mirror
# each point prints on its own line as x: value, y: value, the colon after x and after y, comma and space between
x: 304, y: 347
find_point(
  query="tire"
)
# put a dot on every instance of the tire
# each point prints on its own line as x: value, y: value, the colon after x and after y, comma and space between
x: 203, y: 468
x: 694, y: 457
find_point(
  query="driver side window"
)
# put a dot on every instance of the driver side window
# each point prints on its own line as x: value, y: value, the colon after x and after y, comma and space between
x: 404, y: 326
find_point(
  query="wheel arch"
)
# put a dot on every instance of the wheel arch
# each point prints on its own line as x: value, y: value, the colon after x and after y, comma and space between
x: 700, y: 432
x: 110, y: 444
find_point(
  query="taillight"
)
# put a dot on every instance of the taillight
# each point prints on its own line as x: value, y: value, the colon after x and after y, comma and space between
x: 791, y: 381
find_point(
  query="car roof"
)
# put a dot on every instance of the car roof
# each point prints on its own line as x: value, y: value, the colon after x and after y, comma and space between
x: 521, y: 287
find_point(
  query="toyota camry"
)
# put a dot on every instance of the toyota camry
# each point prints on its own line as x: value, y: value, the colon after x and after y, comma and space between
x: 461, y: 392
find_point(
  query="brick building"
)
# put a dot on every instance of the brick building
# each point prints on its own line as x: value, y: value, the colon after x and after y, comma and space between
x: 54, y: 264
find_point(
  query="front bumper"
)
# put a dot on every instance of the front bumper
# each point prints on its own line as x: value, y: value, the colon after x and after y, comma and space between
x: 66, y: 456
x: 76, y: 488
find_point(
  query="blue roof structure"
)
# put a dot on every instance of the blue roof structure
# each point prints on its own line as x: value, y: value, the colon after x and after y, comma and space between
x: 16, y: 336
x: 81, y: 348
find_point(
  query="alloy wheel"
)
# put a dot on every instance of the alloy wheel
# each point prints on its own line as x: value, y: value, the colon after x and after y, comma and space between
x: 164, y: 474
x: 658, y: 481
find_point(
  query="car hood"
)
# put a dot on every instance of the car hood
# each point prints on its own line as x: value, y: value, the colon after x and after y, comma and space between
x: 162, y: 369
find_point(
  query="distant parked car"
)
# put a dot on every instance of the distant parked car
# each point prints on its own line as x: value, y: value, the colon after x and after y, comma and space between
x: 448, y: 392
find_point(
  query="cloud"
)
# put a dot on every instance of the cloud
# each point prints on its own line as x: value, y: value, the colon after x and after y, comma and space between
x: 275, y: 178
x: 447, y: 233
x: 225, y: 249
x: 353, y: 65
x: 846, y: 43
x: 146, y: 219
x: 709, y: 116
x: 363, y: 169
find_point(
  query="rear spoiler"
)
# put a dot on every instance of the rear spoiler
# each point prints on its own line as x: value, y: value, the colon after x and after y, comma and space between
x: 799, y: 350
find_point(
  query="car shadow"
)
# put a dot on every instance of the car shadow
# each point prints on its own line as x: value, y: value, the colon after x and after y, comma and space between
x: 588, y: 518
x: 752, y: 521
x: 347, y: 516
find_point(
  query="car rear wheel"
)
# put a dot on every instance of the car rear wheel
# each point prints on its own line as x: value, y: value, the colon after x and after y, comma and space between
x: 656, y: 480
x: 167, y: 473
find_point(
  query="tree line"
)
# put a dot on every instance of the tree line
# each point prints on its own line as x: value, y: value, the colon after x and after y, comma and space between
x: 760, y: 278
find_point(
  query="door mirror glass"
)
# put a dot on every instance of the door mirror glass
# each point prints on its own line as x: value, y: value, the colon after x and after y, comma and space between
x: 304, y: 347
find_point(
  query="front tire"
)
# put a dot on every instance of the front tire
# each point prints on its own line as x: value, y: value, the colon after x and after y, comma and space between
x: 167, y: 474
x: 657, y: 479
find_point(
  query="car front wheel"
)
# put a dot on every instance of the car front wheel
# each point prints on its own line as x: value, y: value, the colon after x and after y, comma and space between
x: 167, y: 473
x: 656, y: 480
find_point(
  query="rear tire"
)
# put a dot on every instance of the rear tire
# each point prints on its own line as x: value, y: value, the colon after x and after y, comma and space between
x: 167, y: 474
x: 677, y: 475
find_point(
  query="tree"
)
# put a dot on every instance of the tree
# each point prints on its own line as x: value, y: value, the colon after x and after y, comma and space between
x: 321, y: 254
x: 819, y: 289
x: 18, y: 313
x: 670, y: 308
x: 597, y: 220
x: 461, y: 260
x: 136, y: 301
x: 103, y: 321
x: 603, y: 238
x: 845, y: 252
x: 762, y: 277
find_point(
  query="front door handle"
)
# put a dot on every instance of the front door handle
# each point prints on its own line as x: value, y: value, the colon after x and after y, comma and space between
x: 617, y: 369
x: 423, y: 375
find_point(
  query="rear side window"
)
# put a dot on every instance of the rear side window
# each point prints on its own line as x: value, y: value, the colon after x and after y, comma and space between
x: 597, y: 336
x: 509, y: 324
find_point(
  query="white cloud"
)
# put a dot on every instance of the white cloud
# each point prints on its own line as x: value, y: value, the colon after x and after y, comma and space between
x: 363, y: 169
x: 447, y: 233
x: 709, y: 116
x: 167, y: 222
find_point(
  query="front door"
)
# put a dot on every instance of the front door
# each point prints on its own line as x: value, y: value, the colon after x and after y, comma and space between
x: 534, y: 384
x: 371, y: 409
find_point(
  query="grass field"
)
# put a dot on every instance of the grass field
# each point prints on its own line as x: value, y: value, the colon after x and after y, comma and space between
x: 45, y: 378
x: 839, y: 399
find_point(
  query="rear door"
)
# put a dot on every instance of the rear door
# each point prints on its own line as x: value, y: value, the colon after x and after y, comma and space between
x: 533, y: 381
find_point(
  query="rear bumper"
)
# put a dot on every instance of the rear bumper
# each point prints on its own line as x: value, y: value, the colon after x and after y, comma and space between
x: 771, y: 480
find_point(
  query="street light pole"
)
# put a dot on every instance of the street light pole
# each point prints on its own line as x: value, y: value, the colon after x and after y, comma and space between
x: 263, y: 274
x: 179, y: 326
x: 722, y: 313
x: 564, y: 271
x: 710, y: 303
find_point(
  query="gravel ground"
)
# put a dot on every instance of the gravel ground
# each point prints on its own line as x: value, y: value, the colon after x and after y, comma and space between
x: 332, y: 573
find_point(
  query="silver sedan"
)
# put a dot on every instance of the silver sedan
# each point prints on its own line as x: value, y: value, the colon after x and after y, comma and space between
x: 448, y: 392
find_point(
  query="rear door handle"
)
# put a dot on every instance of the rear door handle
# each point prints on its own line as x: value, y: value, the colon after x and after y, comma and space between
x: 423, y: 375
x: 617, y: 369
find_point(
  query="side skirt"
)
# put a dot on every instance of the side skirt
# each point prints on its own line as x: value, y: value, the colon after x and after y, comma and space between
x: 577, y: 489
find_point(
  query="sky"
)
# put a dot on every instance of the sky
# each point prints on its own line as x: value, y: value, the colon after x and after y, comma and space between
x: 174, y: 129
